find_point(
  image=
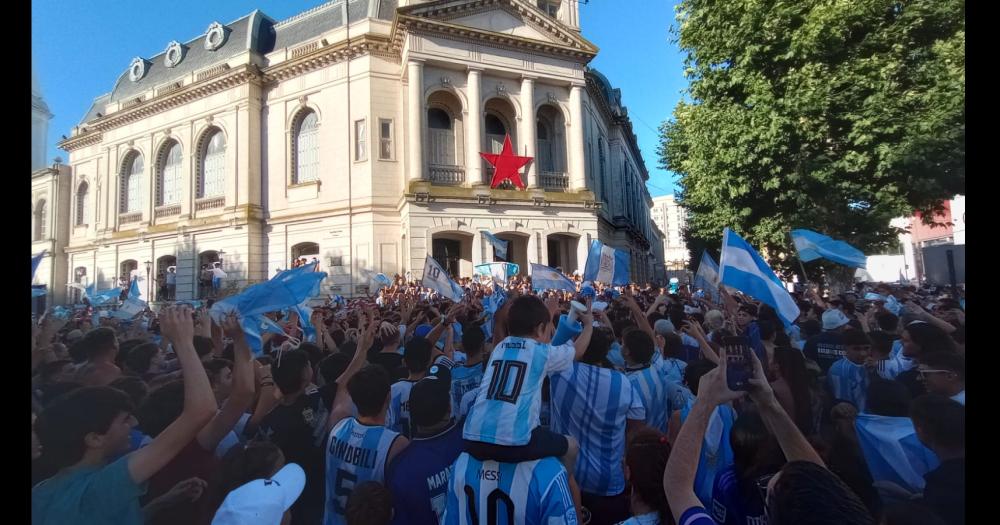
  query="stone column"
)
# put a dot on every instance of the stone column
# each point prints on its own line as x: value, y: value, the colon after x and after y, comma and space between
x: 415, y: 120
x: 528, y: 144
x: 473, y: 129
x: 577, y: 175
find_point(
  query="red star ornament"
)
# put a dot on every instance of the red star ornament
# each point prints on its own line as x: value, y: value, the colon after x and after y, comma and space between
x: 506, y: 165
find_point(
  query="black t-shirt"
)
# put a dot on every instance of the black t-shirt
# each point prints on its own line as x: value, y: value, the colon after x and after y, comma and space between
x: 391, y: 362
x: 297, y: 429
x: 945, y: 491
x: 826, y: 349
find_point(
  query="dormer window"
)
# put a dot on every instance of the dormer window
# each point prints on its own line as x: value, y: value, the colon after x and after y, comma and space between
x: 215, y: 36
x: 174, y: 54
x: 550, y: 7
x: 137, y: 69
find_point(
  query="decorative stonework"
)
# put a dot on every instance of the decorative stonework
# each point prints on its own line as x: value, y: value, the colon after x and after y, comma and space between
x: 137, y: 69
x: 215, y: 36
x: 174, y: 54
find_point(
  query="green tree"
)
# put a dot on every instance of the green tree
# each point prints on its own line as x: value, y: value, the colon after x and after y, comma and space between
x: 832, y: 115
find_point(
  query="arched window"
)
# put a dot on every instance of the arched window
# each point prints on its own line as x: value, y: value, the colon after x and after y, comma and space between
x: 131, y: 181
x: 495, y: 132
x: 168, y: 177
x: 442, y: 137
x: 306, y: 148
x: 601, y: 157
x: 41, y: 210
x: 82, y: 204
x: 546, y: 159
x: 212, y: 172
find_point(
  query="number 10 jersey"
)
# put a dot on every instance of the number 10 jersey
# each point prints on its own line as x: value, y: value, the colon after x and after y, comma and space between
x: 355, y: 454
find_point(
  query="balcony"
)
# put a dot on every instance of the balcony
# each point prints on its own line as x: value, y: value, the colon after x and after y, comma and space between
x: 208, y: 203
x: 554, y: 180
x: 167, y: 210
x: 447, y: 175
x: 126, y: 218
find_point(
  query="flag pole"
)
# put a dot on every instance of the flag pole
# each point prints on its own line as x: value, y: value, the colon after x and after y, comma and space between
x: 805, y: 278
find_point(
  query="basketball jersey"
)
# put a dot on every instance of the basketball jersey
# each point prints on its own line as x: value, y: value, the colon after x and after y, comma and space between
x: 593, y: 404
x: 398, y: 417
x: 355, y: 454
x: 652, y: 390
x: 464, y: 379
x: 528, y: 493
x: 509, y: 398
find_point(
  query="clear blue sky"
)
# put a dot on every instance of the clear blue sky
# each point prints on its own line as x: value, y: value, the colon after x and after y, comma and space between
x: 80, y: 47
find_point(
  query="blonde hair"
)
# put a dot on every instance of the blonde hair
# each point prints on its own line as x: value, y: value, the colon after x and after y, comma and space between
x: 714, y: 320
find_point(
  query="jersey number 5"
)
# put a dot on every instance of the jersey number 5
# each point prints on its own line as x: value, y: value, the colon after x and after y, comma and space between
x: 502, y: 386
x: 342, y: 488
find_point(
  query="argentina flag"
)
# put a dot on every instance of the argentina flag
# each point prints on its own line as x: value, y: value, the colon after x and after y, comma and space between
x: 35, y: 261
x: 501, y: 272
x: 812, y: 246
x: 893, y: 453
x: 499, y: 245
x: 707, y: 277
x: 743, y: 269
x: 437, y: 279
x: 545, y: 278
x: 607, y: 265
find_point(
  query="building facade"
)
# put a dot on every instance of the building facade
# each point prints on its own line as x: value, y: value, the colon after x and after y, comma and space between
x: 671, y: 218
x: 351, y: 133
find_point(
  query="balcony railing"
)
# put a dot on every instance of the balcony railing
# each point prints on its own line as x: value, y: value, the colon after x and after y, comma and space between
x: 447, y: 174
x: 125, y: 218
x: 208, y: 203
x: 168, y: 210
x: 554, y: 180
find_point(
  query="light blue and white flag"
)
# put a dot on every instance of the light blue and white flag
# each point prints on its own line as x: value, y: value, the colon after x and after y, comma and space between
x: 437, y: 279
x: 812, y: 246
x: 305, y: 317
x: 104, y: 297
x: 35, y: 261
x: 380, y: 281
x: 254, y: 327
x: 707, y: 277
x: 499, y: 245
x: 491, y: 304
x: 501, y: 272
x: 607, y: 265
x: 135, y: 291
x: 546, y: 278
x: 743, y: 269
x: 893, y: 452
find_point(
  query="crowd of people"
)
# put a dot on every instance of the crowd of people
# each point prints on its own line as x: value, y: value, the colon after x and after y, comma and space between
x: 408, y: 408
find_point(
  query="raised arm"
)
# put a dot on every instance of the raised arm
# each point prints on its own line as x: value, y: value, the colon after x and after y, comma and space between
x: 694, y: 329
x: 637, y: 314
x: 792, y: 442
x: 342, y: 404
x: 199, y: 402
x: 583, y: 340
x: 241, y: 395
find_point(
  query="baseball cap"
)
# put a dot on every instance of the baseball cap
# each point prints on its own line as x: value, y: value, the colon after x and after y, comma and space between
x: 664, y: 327
x: 262, y: 501
x: 430, y: 397
x: 834, y: 319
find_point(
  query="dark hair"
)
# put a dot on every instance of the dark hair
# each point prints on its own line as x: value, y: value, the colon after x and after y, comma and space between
x: 941, y: 419
x: 313, y: 351
x: 369, y: 389
x: 525, y: 314
x: 945, y: 361
x: 792, y: 366
x: 767, y: 329
x: 676, y: 315
x: 887, y: 321
x: 245, y: 463
x: 646, y: 457
x: 755, y: 451
x: 288, y: 372
x: 417, y: 354
x: 140, y: 358
x: 881, y: 343
x: 811, y: 327
x: 78, y: 351
x: 597, y: 350
x: 887, y: 398
x: 48, y: 370
x: 910, y: 513
x: 369, y: 504
x: 930, y: 338
x: 135, y: 387
x: 749, y: 309
x: 203, y: 345
x: 52, y: 392
x: 673, y: 346
x: 853, y: 336
x: 807, y: 493
x: 338, y: 336
x: 640, y: 345
x: 64, y: 423
x: 766, y: 313
x: 333, y: 366
x: 215, y: 367
x: 473, y: 339
x: 98, y: 341
x: 161, y: 408
x: 694, y: 371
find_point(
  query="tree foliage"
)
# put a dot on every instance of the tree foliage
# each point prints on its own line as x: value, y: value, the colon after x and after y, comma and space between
x: 832, y: 115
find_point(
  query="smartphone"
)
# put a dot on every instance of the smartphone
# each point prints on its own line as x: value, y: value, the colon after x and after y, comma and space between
x: 738, y: 366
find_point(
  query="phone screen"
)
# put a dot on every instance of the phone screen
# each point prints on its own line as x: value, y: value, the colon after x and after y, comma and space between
x: 738, y: 367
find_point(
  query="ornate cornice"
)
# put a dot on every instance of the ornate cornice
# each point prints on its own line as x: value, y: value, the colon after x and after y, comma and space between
x: 324, y: 55
x: 225, y: 79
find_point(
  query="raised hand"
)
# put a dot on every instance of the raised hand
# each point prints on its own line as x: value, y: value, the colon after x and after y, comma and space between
x: 231, y: 327
x: 177, y: 325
